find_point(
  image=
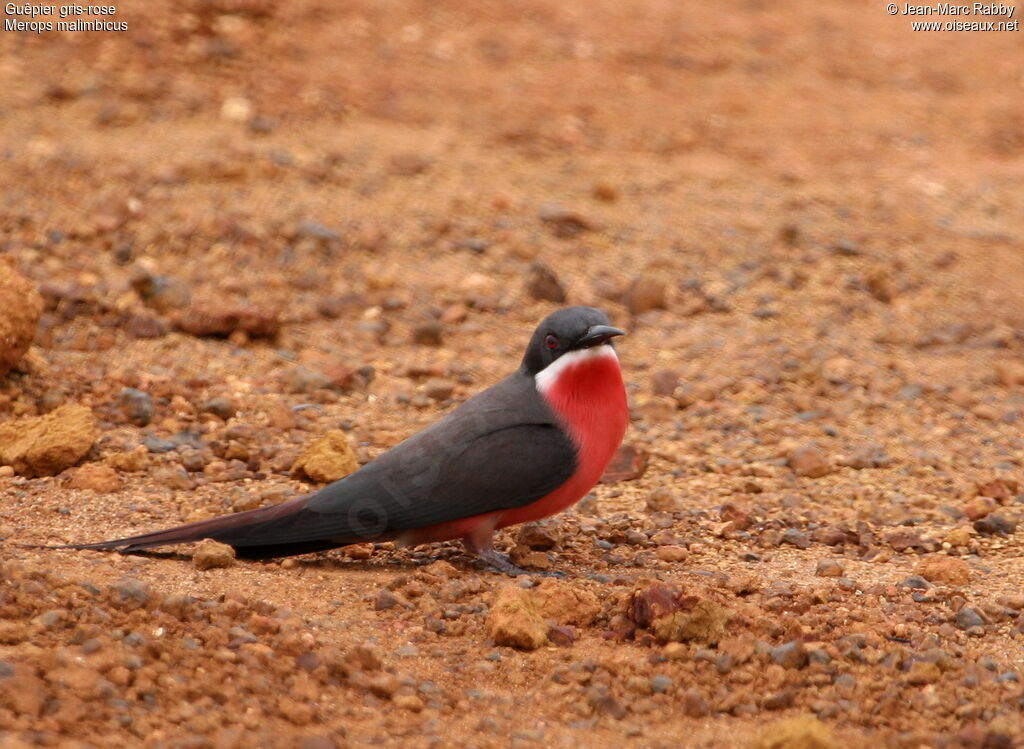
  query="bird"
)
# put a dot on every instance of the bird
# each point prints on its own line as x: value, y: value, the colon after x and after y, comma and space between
x: 528, y: 447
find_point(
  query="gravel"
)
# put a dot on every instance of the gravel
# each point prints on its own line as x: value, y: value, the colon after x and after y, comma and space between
x: 819, y: 382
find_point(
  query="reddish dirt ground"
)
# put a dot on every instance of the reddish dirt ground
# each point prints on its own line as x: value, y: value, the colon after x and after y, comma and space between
x: 252, y: 222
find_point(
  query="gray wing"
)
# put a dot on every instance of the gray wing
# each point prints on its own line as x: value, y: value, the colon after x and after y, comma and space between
x: 500, y: 450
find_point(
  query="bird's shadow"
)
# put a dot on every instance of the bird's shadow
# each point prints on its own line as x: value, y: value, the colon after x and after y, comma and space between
x: 322, y: 561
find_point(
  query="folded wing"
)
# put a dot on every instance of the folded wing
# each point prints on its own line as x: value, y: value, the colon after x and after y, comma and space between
x: 481, y: 458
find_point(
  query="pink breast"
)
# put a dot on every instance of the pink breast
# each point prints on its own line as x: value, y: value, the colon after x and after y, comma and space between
x: 590, y: 399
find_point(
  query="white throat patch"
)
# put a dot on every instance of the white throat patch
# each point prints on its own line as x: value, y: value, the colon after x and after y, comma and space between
x: 547, y: 377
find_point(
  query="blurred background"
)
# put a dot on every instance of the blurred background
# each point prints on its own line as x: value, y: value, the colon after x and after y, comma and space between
x: 758, y: 189
x: 804, y: 212
x: 809, y: 217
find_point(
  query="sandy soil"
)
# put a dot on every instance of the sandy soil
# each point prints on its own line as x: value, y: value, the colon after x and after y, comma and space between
x: 252, y: 222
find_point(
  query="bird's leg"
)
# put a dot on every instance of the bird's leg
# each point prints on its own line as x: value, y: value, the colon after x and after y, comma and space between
x: 480, y: 543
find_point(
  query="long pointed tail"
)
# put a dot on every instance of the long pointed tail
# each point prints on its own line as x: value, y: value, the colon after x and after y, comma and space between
x: 235, y: 530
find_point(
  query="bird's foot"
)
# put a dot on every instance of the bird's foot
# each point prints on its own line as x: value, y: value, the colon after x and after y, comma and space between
x: 480, y: 545
x: 501, y: 563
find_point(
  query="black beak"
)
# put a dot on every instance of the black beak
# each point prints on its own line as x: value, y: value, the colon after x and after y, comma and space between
x: 598, y: 334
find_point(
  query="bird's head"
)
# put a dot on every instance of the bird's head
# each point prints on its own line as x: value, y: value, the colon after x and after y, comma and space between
x: 565, y: 332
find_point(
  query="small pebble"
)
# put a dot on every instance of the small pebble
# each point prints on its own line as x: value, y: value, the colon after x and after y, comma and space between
x: 996, y: 525
x: 210, y: 554
x: 543, y: 284
x: 220, y: 406
x: 796, y: 538
x: 829, y: 568
x: 158, y: 445
x: 136, y: 405
x: 792, y: 654
x: 916, y: 582
x: 428, y: 334
x: 969, y: 617
x: 809, y: 461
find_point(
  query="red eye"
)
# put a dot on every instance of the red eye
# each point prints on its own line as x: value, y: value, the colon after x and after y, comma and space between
x: 551, y: 341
